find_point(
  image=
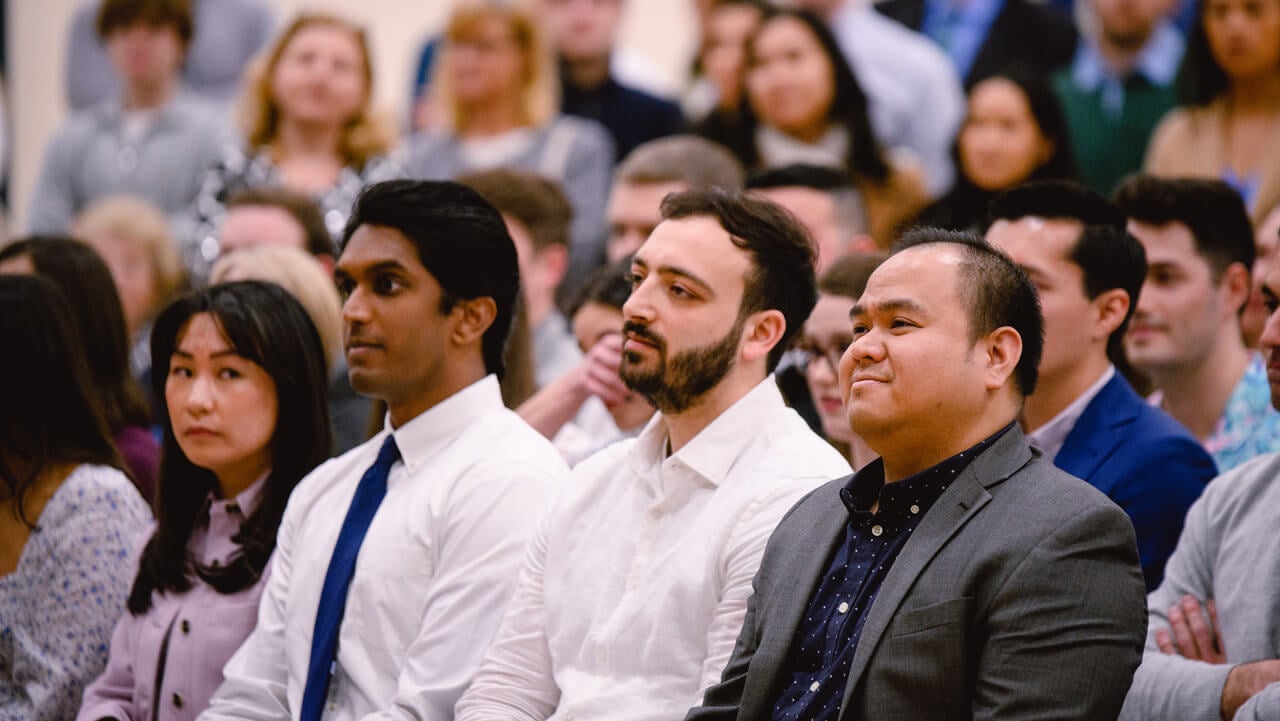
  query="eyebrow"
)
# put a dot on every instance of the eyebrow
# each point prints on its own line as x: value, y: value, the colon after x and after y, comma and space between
x: 674, y: 270
x: 340, y: 272
x: 886, y: 306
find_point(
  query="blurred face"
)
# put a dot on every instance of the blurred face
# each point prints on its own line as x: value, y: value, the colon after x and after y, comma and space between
x: 1255, y: 313
x: 790, y: 80
x: 17, y: 265
x: 582, y: 29
x: 816, y: 211
x: 592, y: 323
x: 634, y: 211
x: 682, y: 323
x: 540, y: 270
x: 1270, y: 340
x: 1000, y: 143
x: 133, y: 273
x: 824, y: 339
x: 144, y: 54
x: 724, y: 55
x: 911, y: 370
x: 320, y: 77
x: 485, y: 63
x: 1244, y: 36
x: 1042, y: 247
x: 222, y: 407
x: 392, y: 329
x: 1180, y: 309
x: 246, y: 226
x: 1128, y: 24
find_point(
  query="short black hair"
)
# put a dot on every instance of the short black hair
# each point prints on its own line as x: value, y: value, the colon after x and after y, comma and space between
x: 1108, y: 256
x: 999, y: 293
x: 116, y: 14
x: 301, y: 208
x: 782, y: 254
x: 846, y: 199
x: 1213, y: 212
x: 610, y: 285
x: 461, y: 240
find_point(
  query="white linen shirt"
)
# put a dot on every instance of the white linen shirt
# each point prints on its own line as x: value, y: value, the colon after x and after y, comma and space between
x: 434, y: 573
x: 636, y: 582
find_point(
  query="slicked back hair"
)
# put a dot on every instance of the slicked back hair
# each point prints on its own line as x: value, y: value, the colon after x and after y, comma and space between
x: 1213, y: 212
x: 995, y: 291
x: 782, y: 255
x: 461, y: 240
x: 1108, y: 256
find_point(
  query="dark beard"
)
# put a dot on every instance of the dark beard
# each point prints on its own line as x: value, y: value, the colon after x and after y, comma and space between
x: 691, y: 374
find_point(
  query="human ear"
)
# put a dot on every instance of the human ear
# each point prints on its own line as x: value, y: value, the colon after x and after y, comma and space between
x: 1111, y: 307
x: 472, y: 318
x: 1003, y: 351
x: 1235, y: 286
x: 762, y: 332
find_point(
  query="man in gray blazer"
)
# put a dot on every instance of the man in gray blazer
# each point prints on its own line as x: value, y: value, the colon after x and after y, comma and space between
x: 961, y: 576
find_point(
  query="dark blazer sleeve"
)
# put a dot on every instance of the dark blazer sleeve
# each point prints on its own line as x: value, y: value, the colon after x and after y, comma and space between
x: 1064, y: 632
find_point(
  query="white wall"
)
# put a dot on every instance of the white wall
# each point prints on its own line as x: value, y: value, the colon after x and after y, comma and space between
x: 663, y: 30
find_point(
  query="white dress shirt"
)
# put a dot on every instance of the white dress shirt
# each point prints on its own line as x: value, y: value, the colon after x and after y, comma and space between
x: 915, y: 94
x: 636, y: 582
x: 1051, y: 436
x: 435, y: 570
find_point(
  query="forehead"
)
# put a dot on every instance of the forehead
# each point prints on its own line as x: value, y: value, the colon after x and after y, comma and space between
x: 1033, y: 238
x: 925, y: 275
x: 1170, y: 242
x: 202, y: 331
x: 784, y: 32
x: 263, y: 223
x: 802, y: 202
x: 697, y: 245
x: 377, y: 245
x: 640, y: 200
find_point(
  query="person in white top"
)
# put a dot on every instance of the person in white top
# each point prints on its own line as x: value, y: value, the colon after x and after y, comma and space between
x: 636, y: 583
x: 429, y: 277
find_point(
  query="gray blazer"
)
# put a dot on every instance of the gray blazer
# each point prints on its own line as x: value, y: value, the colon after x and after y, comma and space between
x: 1019, y: 596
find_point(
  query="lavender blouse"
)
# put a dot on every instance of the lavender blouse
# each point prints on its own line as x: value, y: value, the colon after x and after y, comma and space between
x: 194, y: 633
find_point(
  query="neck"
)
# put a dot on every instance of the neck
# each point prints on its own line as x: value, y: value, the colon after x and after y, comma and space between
x: 296, y: 139
x: 812, y: 134
x: 234, y: 481
x: 1257, y: 94
x: 587, y: 73
x: 149, y: 96
x: 537, y: 309
x: 1197, y: 395
x: 918, y: 451
x: 404, y: 410
x: 492, y: 117
x: 1053, y: 395
x: 682, y: 427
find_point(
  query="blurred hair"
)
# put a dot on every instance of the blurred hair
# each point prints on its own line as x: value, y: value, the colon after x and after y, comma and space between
x: 302, y: 209
x: 363, y: 137
x: 141, y: 224
x: 610, y: 286
x: 50, y: 414
x: 297, y: 272
x: 116, y: 14
x: 268, y: 327
x: 1213, y: 212
x: 1201, y: 77
x: 781, y: 252
x: 847, y: 276
x: 540, y: 95
x: 846, y: 200
x: 461, y: 240
x: 97, y: 317
x: 1050, y: 119
x: 687, y: 159
x: 996, y: 292
x: 534, y: 201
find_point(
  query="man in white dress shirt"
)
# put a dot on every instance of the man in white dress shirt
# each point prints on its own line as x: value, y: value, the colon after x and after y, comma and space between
x: 429, y: 277
x: 636, y: 583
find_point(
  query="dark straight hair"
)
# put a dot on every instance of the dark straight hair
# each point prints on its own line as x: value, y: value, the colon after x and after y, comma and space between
x: 266, y: 326
x: 49, y: 412
x: 97, y: 317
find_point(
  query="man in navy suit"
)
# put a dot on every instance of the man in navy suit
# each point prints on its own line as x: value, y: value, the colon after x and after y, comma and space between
x: 1084, y: 415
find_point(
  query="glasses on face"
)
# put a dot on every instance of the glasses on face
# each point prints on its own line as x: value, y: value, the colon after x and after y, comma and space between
x: 812, y: 352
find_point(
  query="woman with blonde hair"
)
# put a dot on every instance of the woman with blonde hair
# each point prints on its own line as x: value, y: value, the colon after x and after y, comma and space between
x: 308, y: 125
x: 299, y: 273
x: 497, y: 92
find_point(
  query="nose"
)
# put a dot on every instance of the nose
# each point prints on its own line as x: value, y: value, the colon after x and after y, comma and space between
x: 200, y: 395
x: 355, y: 309
x: 1270, y: 338
x: 639, y: 306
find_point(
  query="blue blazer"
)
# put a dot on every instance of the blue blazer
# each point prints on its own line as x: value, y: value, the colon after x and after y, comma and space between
x: 1145, y: 461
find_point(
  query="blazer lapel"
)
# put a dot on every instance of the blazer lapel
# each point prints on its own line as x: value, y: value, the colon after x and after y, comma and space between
x: 1091, y: 441
x: 959, y: 503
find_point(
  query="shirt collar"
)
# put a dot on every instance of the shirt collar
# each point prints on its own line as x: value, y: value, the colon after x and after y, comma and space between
x: 714, y: 450
x: 1157, y: 62
x: 241, y: 505
x: 1050, y: 437
x: 433, y: 429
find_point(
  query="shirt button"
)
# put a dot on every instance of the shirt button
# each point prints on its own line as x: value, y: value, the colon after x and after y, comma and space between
x: 877, y: 530
x: 843, y: 608
x: 813, y: 686
x: 915, y: 508
x: 177, y: 700
x: 186, y: 626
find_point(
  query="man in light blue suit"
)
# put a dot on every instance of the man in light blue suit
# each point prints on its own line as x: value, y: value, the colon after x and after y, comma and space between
x: 1084, y: 415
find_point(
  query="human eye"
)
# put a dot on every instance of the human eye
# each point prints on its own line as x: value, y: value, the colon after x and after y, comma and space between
x: 901, y: 323
x: 680, y: 291
x: 859, y: 328
x: 1270, y: 302
x: 179, y: 371
x: 635, y: 278
x: 345, y: 287
x: 387, y: 285
x: 228, y: 373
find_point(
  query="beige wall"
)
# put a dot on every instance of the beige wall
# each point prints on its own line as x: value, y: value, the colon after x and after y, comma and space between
x: 663, y: 30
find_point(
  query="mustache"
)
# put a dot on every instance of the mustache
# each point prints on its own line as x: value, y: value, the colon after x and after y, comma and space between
x: 642, y: 332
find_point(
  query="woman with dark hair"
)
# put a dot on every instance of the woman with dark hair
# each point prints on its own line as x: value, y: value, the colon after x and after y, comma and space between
x: 68, y: 513
x: 1228, y: 127
x: 804, y: 105
x: 241, y: 370
x: 98, y: 318
x: 1014, y: 131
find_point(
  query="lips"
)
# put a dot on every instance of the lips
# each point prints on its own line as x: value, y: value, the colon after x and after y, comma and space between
x: 198, y: 432
x: 634, y: 334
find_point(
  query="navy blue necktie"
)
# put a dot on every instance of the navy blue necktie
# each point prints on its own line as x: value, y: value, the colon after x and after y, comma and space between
x: 333, y: 595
